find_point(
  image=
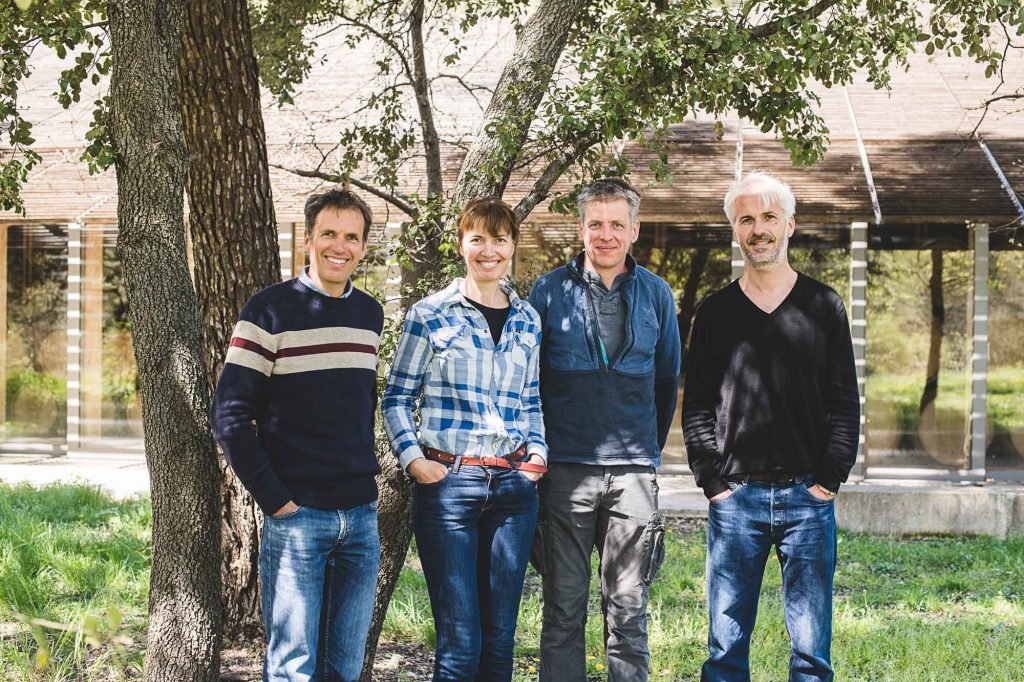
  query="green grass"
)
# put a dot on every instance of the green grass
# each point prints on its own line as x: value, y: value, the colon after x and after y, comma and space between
x: 70, y: 555
x: 906, y: 610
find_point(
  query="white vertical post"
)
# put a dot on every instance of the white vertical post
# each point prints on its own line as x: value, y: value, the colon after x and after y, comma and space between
x: 74, y: 329
x: 285, y: 244
x: 979, y: 352
x: 737, y: 254
x: 858, y: 325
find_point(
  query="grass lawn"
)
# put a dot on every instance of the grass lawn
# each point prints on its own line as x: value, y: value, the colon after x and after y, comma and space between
x: 907, y: 609
x: 70, y: 555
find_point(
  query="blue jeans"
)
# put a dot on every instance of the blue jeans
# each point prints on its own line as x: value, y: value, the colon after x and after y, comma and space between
x: 473, y: 531
x: 742, y: 529
x: 318, y: 576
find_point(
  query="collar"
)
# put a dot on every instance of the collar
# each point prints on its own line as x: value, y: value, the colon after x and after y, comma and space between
x: 577, y: 268
x: 304, y: 278
x: 452, y: 295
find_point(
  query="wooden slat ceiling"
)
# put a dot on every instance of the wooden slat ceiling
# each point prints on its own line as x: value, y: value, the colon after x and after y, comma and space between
x: 924, y: 170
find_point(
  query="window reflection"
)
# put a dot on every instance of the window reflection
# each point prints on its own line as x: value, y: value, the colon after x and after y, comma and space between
x: 35, y: 362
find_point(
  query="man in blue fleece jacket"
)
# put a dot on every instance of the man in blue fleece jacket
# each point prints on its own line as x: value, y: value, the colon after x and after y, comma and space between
x: 608, y: 384
x: 294, y: 413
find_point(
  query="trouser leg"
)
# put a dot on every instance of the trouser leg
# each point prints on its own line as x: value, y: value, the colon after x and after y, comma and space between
x: 351, y: 587
x: 739, y: 540
x: 445, y: 523
x: 807, y: 554
x: 627, y: 518
x: 293, y: 555
x: 505, y: 530
x: 569, y: 495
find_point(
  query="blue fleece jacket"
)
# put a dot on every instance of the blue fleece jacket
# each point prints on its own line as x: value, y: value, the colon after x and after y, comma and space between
x: 615, y: 411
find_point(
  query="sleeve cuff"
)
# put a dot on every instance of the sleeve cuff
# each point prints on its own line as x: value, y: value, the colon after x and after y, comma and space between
x: 537, y: 449
x: 715, y: 486
x: 408, y: 455
x: 830, y: 484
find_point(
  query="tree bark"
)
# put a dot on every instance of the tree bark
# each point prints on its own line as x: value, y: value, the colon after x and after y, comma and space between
x: 394, y: 524
x: 938, y: 308
x: 525, y: 79
x: 234, y: 241
x: 183, y: 637
x: 688, y: 304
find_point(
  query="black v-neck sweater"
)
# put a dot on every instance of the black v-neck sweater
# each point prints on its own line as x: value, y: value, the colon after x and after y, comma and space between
x: 771, y: 393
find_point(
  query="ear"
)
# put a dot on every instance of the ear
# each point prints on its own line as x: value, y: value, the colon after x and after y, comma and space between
x: 790, y: 227
x: 636, y: 232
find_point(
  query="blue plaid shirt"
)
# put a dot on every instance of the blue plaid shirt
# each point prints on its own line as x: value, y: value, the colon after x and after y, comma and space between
x: 475, y: 399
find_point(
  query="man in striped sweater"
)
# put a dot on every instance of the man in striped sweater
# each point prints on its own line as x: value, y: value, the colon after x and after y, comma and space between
x: 294, y: 413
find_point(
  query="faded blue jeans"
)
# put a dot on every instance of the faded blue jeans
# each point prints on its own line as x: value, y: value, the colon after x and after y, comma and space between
x: 742, y: 529
x: 473, y: 532
x: 318, y: 576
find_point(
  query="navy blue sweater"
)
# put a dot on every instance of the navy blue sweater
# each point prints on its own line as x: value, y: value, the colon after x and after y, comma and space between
x: 295, y: 403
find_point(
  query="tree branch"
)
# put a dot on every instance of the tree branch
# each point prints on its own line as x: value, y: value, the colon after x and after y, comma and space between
x: 771, y: 27
x: 421, y: 86
x: 382, y: 37
x: 520, y: 89
x: 549, y: 176
x: 396, y: 199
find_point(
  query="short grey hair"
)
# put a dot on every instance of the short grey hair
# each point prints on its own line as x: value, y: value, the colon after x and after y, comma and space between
x: 768, y: 188
x: 609, y: 189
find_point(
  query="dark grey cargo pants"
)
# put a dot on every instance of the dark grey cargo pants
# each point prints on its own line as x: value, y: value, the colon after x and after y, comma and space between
x: 615, y: 509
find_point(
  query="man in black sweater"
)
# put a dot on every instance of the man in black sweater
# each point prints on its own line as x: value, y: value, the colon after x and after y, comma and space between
x: 771, y: 415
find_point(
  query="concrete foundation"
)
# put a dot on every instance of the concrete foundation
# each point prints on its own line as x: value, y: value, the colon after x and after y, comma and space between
x: 994, y: 509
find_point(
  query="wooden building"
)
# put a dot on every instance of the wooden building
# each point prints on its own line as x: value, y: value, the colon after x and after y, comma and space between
x: 906, y: 197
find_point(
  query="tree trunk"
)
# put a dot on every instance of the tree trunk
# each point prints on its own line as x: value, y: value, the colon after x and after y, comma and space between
x: 394, y: 524
x: 512, y: 109
x: 931, y: 383
x: 688, y: 304
x: 183, y: 637
x: 234, y: 241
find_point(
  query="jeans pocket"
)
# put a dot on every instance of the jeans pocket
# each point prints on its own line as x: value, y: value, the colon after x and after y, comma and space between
x: 806, y: 487
x: 734, y: 487
x: 437, y: 482
x: 654, y: 546
x: 540, y: 550
x: 284, y: 517
x: 529, y: 480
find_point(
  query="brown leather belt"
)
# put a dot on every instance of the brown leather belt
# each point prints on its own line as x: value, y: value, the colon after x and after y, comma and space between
x: 509, y: 462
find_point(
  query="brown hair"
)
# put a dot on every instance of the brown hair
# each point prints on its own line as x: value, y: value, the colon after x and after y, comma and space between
x: 490, y: 215
x: 339, y: 199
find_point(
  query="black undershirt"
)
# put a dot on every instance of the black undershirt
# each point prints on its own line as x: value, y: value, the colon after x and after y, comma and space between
x: 495, y: 317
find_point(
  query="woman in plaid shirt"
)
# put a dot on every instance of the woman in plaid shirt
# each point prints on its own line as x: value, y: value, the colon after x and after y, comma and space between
x: 468, y: 359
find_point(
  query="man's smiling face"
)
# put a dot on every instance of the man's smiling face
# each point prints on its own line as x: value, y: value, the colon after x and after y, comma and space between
x: 335, y: 248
